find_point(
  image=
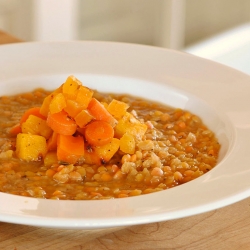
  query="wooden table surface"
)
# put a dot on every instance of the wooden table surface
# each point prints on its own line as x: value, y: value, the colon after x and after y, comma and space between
x: 225, y: 228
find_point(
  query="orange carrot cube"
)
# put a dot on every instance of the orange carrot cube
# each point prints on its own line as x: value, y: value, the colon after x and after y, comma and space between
x: 100, y: 113
x: 70, y: 149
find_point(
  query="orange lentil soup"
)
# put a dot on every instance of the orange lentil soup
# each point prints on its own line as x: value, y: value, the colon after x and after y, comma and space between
x: 176, y: 148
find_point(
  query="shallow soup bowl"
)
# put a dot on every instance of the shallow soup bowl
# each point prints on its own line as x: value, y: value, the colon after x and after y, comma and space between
x: 216, y: 93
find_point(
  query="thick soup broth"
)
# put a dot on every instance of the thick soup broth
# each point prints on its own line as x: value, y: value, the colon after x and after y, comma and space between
x: 176, y: 148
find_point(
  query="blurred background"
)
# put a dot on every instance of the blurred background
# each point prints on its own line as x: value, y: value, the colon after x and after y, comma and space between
x: 216, y: 29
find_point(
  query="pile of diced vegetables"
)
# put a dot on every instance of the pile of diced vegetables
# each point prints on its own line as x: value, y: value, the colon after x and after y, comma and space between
x: 72, y: 126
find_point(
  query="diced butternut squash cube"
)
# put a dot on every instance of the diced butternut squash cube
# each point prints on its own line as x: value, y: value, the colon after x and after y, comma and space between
x: 73, y: 108
x: 36, y: 126
x: 117, y: 108
x: 91, y: 158
x: 128, y: 123
x: 70, y: 87
x: 127, y: 144
x: 50, y: 159
x: 30, y: 147
x: 107, y: 151
x: 44, y: 110
x: 101, y: 154
x: 57, y: 104
x: 83, y: 118
x: 84, y: 96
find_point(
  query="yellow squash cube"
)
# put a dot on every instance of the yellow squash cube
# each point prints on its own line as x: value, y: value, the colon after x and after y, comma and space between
x: 30, y: 147
x: 127, y: 144
x: 73, y: 108
x: 117, y: 108
x: 36, y: 126
x: 70, y: 87
x: 83, y: 118
x: 57, y: 104
x: 44, y: 110
x: 84, y: 96
x: 129, y: 124
x: 101, y: 154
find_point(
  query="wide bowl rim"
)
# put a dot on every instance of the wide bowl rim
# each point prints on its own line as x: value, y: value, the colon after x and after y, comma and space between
x: 128, y: 211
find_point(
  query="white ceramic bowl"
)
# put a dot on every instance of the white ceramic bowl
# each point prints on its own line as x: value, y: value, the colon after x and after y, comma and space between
x: 216, y: 93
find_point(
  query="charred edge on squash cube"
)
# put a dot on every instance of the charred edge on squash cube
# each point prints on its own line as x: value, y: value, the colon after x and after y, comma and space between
x: 89, y: 148
x: 103, y: 161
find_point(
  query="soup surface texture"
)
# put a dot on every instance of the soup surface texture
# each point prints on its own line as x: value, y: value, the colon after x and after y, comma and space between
x: 176, y: 148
